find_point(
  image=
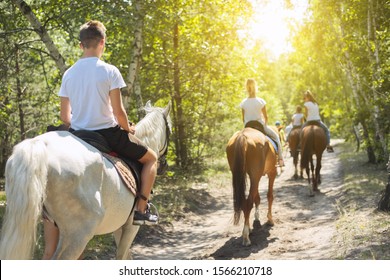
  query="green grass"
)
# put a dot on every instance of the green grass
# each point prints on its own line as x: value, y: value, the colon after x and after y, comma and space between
x: 362, y: 230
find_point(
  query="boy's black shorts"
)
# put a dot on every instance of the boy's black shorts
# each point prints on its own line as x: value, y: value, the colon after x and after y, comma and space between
x: 124, y: 143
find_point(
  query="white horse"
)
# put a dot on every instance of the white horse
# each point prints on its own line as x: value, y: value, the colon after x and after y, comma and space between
x: 80, y: 189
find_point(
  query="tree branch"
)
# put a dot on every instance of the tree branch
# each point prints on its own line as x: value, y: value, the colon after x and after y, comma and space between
x: 42, y: 32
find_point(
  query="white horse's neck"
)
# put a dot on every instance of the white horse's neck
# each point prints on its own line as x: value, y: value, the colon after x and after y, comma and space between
x: 152, y: 130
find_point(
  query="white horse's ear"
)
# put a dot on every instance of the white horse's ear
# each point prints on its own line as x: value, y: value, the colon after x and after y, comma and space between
x: 167, y: 109
x: 148, y: 105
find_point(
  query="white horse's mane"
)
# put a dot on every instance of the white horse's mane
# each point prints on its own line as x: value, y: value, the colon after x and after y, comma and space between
x: 152, y: 126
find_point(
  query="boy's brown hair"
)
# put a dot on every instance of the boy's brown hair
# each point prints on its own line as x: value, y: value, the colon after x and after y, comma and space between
x: 91, y: 33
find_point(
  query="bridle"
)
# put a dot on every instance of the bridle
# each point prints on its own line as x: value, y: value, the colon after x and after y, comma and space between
x: 162, y: 161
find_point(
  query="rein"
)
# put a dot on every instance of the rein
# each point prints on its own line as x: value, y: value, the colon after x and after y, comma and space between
x: 168, y: 133
x: 163, y: 165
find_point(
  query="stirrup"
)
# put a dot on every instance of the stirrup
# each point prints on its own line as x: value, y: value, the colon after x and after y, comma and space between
x: 155, y: 211
x: 144, y: 218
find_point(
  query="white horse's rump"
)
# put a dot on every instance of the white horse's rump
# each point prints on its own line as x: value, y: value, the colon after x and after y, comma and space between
x: 80, y: 189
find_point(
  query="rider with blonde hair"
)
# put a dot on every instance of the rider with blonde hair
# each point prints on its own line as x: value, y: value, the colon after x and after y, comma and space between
x: 254, y: 109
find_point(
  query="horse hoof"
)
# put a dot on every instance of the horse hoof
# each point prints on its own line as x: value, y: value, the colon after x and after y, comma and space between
x: 270, y: 223
x: 246, y: 243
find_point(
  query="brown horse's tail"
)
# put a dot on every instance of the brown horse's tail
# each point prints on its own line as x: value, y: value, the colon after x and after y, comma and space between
x: 239, y: 175
x: 306, y: 143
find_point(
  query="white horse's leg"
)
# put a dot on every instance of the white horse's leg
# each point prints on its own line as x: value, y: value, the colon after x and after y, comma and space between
x: 73, y: 242
x: 70, y: 248
x: 124, y: 238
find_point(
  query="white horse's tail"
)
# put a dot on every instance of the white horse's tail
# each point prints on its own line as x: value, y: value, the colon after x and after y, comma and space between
x: 25, y: 185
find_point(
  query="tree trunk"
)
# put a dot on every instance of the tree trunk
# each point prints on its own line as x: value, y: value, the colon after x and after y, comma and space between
x: 384, y: 202
x: 358, y: 97
x: 137, y: 92
x: 376, y: 76
x: 356, y: 92
x: 181, y: 147
x: 135, y: 63
x: 369, y: 147
x: 41, y: 31
x: 19, y: 97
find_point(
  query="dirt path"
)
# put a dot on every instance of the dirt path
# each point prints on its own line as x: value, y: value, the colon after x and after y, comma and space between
x: 304, y: 226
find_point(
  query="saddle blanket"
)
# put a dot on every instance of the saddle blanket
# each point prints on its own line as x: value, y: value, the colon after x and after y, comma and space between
x: 124, y: 172
x: 273, y: 143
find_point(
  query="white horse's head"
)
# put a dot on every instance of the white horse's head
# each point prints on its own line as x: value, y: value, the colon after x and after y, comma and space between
x: 154, y: 130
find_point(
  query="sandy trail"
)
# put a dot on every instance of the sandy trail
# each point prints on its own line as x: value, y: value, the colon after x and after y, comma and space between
x: 304, y: 226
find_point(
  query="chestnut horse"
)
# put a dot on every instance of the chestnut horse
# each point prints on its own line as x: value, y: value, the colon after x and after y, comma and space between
x: 313, y: 142
x: 293, y: 143
x: 250, y: 152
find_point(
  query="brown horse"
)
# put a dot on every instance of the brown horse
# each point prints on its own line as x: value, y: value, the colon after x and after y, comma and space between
x: 250, y: 152
x: 293, y: 143
x: 313, y: 142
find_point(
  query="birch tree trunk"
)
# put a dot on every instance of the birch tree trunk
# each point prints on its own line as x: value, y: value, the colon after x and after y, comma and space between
x: 135, y: 63
x: 42, y: 32
x: 358, y: 94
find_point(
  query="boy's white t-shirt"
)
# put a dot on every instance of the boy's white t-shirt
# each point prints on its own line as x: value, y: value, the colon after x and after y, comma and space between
x: 87, y: 85
x: 313, y: 112
x: 252, y: 107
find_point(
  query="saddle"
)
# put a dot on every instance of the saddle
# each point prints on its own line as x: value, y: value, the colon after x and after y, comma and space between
x: 256, y: 125
x: 313, y: 123
x: 129, y: 170
x: 259, y: 126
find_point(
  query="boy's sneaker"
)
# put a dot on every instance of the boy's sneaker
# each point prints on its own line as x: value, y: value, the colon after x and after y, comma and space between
x: 146, y: 218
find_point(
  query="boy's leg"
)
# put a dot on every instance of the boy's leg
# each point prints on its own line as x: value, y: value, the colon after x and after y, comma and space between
x: 148, y: 176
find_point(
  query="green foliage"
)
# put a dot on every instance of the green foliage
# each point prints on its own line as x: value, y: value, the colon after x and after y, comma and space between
x: 334, y: 56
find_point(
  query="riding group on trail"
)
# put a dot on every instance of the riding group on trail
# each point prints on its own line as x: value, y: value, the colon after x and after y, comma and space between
x: 96, y: 176
x: 255, y: 151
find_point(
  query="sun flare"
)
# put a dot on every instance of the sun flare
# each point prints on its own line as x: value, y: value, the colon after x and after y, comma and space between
x: 272, y: 20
